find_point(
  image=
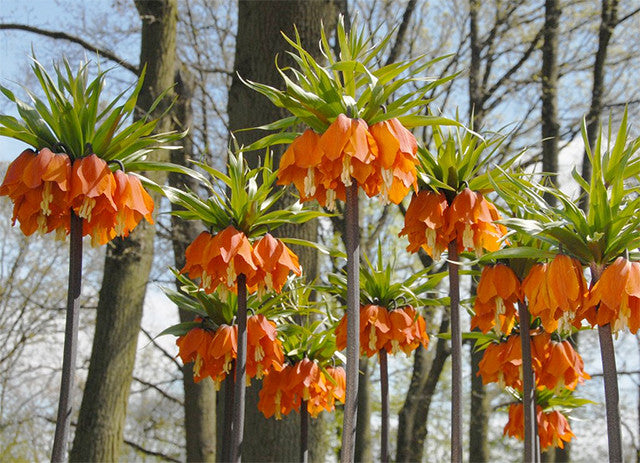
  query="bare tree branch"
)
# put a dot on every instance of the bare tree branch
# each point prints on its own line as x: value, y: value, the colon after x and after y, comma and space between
x: 73, y: 39
x: 406, y: 17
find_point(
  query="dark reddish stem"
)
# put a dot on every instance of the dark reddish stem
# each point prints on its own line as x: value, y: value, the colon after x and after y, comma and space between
x: 304, y: 432
x: 456, y: 355
x: 229, y: 385
x: 352, y: 241
x: 241, y: 372
x: 65, y: 404
x: 384, y: 398
x: 531, y: 452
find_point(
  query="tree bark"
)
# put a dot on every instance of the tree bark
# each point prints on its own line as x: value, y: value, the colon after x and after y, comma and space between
x: 258, y: 42
x: 549, y: 123
x: 413, y: 418
x: 127, y: 265
x: 199, y: 398
x: 476, y: 96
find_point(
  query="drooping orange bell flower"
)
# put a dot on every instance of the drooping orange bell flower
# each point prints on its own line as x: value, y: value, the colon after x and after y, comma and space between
x: 502, y: 363
x: 219, y: 259
x: 298, y: 165
x: 194, y: 347
x: 556, y: 292
x: 396, y: 162
x: 553, y: 427
x: 495, y: 304
x: 274, y: 261
x: 408, y: 331
x: 223, y: 350
x: 348, y: 151
x: 339, y: 388
x: 132, y: 202
x: 38, y: 184
x: 375, y: 327
x: 92, y: 187
x: 615, y: 298
x: 557, y: 365
x: 471, y: 220
x: 264, y: 349
x: 425, y: 223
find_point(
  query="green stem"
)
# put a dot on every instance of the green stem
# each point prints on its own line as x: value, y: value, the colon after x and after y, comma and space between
x: 352, y: 241
x: 456, y: 355
x: 240, y: 372
x: 63, y: 420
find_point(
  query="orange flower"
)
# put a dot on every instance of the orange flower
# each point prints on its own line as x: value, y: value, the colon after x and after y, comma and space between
x: 615, y: 298
x: 408, y: 331
x: 264, y: 349
x: 502, y: 363
x: 556, y: 293
x: 219, y: 259
x: 92, y: 187
x: 298, y: 164
x: 338, y: 390
x: 274, y: 261
x: 471, y: 219
x: 194, y: 347
x: 425, y: 223
x: 396, y: 161
x: 498, y: 292
x: 553, y: 427
x: 556, y: 364
x: 222, y: 351
x: 38, y: 185
x: 132, y: 202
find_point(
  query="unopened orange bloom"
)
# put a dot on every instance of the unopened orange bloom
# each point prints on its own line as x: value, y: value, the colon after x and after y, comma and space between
x: 615, y: 298
x: 425, y: 223
x: 502, y: 363
x: 553, y: 427
x: 396, y: 161
x: 132, y: 202
x: 471, y: 220
x: 498, y: 292
x: 556, y: 364
x: 274, y: 261
x: 38, y: 184
x: 264, y: 349
x: 556, y: 293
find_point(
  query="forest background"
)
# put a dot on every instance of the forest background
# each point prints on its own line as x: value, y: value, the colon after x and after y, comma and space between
x: 533, y: 69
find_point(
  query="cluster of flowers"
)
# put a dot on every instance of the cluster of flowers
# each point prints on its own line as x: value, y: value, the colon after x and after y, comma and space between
x: 395, y: 330
x: 556, y: 364
x: 219, y: 259
x: 284, y: 390
x: 432, y: 223
x: 553, y: 427
x: 558, y: 294
x: 45, y: 187
x: 213, y: 351
x: 381, y: 158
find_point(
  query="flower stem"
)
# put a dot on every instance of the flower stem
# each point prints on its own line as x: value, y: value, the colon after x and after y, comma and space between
x: 63, y: 420
x: 352, y: 240
x: 456, y: 355
x: 531, y: 452
x: 304, y: 432
x: 610, y: 375
x: 384, y: 398
x: 229, y: 386
x: 240, y: 372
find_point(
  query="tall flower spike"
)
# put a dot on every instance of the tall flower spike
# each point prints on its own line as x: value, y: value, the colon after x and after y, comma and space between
x: 425, y: 223
x: 396, y: 161
x: 494, y: 307
x: 274, y: 261
x: 471, y: 219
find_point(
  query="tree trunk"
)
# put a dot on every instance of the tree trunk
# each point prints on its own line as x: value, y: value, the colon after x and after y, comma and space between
x: 364, y: 451
x: 549, y: 123
x: 258, y: 42
x: 608, y: 23
x: 476, y: 97
x: 413, y: 418
x: 199, y: 398
x: 127, y: 265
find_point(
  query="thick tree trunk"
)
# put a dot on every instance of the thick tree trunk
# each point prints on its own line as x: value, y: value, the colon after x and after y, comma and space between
x: 127, y: 265
x: 199, y: 398
x: 549, y: 123
x: 258, y: 42
x: 476, y: 96
x: 413, y: 418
